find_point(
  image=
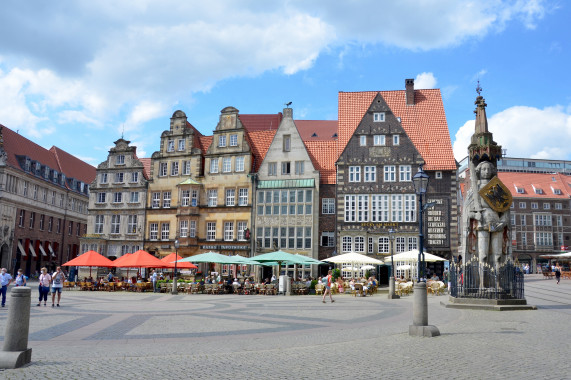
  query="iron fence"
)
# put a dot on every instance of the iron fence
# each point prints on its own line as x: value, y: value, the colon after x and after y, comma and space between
x: 473, y: 280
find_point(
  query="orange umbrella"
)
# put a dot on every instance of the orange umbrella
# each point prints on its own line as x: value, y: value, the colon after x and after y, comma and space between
x: 140, y: 259
x: 118, y: 261
x: 170, y: 259
x: 90, y: 259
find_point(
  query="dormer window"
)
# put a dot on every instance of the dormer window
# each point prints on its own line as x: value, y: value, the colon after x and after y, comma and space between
x: 28, y: 164
x: 55, y: 176
x: 556, y: 191
x: 379, y: 117
x: 537, y: 190
x: 222, y: 141
x: 38, y: 168
x: 519, y: 190
x: 120, y: 160
x: 46, y: 172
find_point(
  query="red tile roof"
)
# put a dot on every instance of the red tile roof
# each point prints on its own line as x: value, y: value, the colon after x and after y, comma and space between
x: 55, y: 158
x: 260, y: 142
x: 260, y: 122
x: 146, y: 167
x: 424, y: 122
x: 203, y: 142
x: 73, y: 167
x: 546, y: 182
x: 323, y: 154
x: 317, y: 130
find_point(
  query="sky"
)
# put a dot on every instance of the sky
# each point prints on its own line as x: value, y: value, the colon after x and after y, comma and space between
x: 81, y: 74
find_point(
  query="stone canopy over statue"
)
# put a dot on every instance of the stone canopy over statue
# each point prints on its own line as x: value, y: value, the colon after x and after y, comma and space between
x: 486, y: 211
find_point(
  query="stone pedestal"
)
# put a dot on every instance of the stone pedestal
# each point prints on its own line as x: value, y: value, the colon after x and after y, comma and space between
x: 174, y: 285
x: 420, y: 325
x: 16, y: 353
x: 392, y: 295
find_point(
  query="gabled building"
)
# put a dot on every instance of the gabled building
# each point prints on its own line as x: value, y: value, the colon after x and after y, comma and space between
x: 43, y: 201
x: 226, y: 205
x: 287, y: 195
x: 175, y: 189
x: 116, y: 222
x: 383, y: 138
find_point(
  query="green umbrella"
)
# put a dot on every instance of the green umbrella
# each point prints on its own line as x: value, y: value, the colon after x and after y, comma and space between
x: 279, y: 257
x: 309, y: 260
x: 208, y: 257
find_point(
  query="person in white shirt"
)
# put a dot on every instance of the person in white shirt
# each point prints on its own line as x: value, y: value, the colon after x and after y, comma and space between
x: 57, y: 285
x: 5, y: 280
x: 44, y: 287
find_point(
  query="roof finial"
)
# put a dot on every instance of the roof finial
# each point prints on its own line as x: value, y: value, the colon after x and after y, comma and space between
x: 478, y: 88
x: 123, y: 132
x: 288, y: 104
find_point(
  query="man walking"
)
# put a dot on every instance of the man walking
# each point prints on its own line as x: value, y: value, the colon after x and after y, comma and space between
x: 57, y: 285
x: 154, y: 281
x: 327, y: 283
x: 5, y: 280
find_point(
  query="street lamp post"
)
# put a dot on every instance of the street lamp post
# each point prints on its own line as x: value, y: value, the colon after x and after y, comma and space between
x: 392, y: 294
x: 420, y: 325
x: 174, y: 284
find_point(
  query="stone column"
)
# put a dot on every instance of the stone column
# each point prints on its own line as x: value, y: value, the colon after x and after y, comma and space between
x: 16, y: 353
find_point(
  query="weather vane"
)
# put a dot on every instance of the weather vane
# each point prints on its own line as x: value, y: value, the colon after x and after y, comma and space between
x: 288, y: 104
x: 478, y: 88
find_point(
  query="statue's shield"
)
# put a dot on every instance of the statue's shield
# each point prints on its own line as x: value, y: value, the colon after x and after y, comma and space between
x: 497, y: 195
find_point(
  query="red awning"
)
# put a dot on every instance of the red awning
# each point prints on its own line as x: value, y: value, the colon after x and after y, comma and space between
x: 139, y: 259
x: 169, y: 262
x: 90, y: 259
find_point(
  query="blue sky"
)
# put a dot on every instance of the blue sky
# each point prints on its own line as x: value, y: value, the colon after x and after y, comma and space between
x: 76, y: 74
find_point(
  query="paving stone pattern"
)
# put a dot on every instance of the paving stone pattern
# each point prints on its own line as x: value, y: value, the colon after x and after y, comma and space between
x: 156, y: 336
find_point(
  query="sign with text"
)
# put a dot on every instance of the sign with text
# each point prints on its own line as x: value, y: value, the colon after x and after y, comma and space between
x: 437, y: 227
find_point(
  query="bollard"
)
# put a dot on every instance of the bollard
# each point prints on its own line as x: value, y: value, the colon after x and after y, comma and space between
x: 16, y: 353
x: 420, y: 326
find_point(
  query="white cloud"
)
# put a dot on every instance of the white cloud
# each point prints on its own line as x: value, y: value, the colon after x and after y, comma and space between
x: 525, y: 132
x: 141, y: 113
x: 425, y: 80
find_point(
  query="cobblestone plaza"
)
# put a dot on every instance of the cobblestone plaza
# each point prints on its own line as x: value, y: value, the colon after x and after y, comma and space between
x: 144, y: 335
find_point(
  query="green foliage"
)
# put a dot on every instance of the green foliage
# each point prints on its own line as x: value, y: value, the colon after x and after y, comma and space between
x: 367, y: 274
x: 336, y: 274
x: 313, y: 283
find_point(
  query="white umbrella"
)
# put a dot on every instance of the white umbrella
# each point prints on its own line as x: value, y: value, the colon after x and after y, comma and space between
x: 413, y: 256
x: 367, y: 267
x: 404, y: 267
x: 353, y: 257
x: 350, y: 269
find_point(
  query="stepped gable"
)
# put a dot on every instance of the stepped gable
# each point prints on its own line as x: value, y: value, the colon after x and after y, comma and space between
x: 323, y: 154
x: 317, y: 130
x: 529, y: 182
x: 73, y: 167
x: 424, y: 122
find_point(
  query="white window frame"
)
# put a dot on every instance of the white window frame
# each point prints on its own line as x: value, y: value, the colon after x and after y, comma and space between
x: 328, y: 206
x: 132, y: 224
x: 115, y: 224
x: 101, y: 197
x: 354, y: 174
x: 99, y: 223
x: 120, y: 159
x: 228, y: 231
x: 134, y: 177
x: 362, y: 208
x: 192, y: 229
x: 156, y: 200
x: 222, y: 141
x: 230, y: 197
x: 163, y: 169
x: 181, y: 145
x: 117, y: 197
x: 240, y: 163
x: 350, y: 208
x: 347, y: 244
x: 214, y: 165
x: 165, y: 231
x: 299, y: 167
x: 186, y: 167
x: 185, y: 197
x: 379, y: 140
x: 396, y: 140
x: 359, y: 244
x: 226, y: 164
x: 363, y: 140
x: 380, y: 208
x: 240, y: 229
x: 134, y: 197
x: 397, y: 208
x: 210, y: 231
x: 166, y: 199
x: 272, y: 168
x: 174, y: 168
x: 405, y: 173
x: 383, y: 245
x: 389, y: 173
x: 410, y: 208
x: 243, y: 197
x: 183, y: 228
x: 170, y: 146
x: 234, y: 140
x: 212, y: 197
x: 378, y: 117
x: 370, y: 174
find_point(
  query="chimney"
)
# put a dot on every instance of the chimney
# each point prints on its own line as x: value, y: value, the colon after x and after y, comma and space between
x: 409, y: 86
x: 288, y: 112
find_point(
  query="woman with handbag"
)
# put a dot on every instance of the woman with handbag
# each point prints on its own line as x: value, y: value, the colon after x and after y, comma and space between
x: 44, y: 286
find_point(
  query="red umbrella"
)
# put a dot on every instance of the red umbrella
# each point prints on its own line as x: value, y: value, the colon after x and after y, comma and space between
x: 89, y: 259
x: 140, y: 259
x: 117, y: 262
x: 170, y: 259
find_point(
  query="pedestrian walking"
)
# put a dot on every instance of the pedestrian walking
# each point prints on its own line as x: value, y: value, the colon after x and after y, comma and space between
x: 44, y: 286
x: 57, y: 285
x: 5, y: 280
x: 20, y: 279
x: 558, y: 272
x: 327, y: 283
x: 154, y: 278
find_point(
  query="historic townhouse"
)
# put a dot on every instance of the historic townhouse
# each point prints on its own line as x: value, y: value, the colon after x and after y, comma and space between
x: 383, y: 138
x: 540, y: 218
x: 117, y: 204
x: 287, y: 195
x: 226, y: 205
x: 43, y: 200
x: 175, y: 189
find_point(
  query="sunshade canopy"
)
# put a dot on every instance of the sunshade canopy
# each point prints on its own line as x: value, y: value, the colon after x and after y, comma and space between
x: 208, y: 257
x: 353, y: 257
x: 309, y: 260
x: 280, y: 257
x: 413, y: 256
x: 139, y: 259
x: 171, y: 258
x: 90, y: 259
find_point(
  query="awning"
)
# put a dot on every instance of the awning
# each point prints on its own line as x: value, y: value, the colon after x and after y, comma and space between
x: 286, y: 183
x: 51, y: 250
x: 43, y: 251
x: 33, y: 250
x: 22, y: 251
